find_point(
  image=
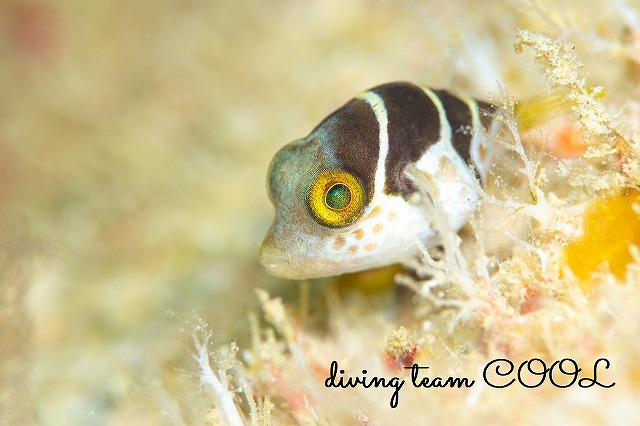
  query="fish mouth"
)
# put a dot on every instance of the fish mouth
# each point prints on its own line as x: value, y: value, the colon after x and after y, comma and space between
x: 278, y: 263
x: 284, y: 265
x: 273, y: 261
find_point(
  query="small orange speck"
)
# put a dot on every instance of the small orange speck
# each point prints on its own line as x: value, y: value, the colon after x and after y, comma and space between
x: 378, y: 227
x: 339, y: 242
x: 358, y: 233
x: 370, y: 247
x: 375, y: 212
x: 353, y: 249
x: 569, y: 142
x: 392, y: 215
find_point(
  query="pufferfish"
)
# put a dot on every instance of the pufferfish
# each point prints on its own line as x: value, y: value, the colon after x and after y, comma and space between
x: 344, y: 196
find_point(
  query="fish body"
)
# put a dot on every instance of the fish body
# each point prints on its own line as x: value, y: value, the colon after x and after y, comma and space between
x: 344, y: 197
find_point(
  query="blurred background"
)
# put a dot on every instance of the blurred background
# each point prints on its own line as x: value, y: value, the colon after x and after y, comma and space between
x: 135, y: 138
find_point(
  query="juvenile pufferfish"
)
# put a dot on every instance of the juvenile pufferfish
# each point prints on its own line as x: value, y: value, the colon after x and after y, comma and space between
x: 343, y: 196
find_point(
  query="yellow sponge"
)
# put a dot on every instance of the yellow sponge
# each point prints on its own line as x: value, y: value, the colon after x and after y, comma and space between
x: 611, y: 226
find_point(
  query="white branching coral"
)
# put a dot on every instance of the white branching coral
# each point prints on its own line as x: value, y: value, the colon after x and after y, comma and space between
x: 216, y: 377
x: 444, y: 278
x: 564, y: 71
x: 276, y: 315
x: 450, y: 278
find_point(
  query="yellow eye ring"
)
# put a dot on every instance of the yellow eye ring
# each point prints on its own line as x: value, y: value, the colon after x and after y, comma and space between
x: 336, y: 198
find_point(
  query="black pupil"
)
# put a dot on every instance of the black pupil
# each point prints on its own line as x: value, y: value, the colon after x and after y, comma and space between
x: 338, y: 196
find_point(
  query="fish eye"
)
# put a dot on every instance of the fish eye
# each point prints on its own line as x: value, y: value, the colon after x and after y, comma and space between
x: 336, y: 198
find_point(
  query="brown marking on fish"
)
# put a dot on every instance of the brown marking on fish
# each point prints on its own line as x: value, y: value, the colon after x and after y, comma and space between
x: 358, y: 233
x: 339, y: 242
x: 353, y: 249
x: 370, y: 247
x: 377, y: 228
x: 375, y: 212
x: 392, y: 215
